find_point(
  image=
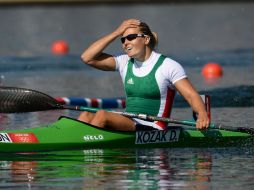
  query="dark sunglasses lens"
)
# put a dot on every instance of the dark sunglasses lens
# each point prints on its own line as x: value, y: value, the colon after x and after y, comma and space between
x: 129, y: 37
x: 123, y: 40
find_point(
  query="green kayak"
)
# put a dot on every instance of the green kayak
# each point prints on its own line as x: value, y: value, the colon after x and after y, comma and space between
x: 70, y: 134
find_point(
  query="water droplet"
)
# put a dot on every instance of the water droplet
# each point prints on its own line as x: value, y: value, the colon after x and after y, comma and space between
x: 2, y: 78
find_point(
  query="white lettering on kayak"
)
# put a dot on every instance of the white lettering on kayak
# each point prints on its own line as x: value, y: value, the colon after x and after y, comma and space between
x: 160, y: 136
x: 4, y: 138
x: 93, y: 137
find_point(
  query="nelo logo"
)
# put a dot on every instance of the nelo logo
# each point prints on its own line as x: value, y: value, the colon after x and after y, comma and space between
x: 93, y: 137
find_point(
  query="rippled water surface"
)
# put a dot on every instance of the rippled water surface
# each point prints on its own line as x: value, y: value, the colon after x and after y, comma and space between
x: 129, y: 168
x: 220, y: 168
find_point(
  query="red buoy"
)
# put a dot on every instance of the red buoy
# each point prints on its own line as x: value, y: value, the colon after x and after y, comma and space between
x: 60, y: 47
x: 212, y: 70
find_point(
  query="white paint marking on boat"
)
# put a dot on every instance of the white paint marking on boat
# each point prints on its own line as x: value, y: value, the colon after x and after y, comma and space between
x: 4, y: 138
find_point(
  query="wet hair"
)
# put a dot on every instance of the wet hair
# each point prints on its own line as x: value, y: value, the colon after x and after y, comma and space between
x: 144, y: 28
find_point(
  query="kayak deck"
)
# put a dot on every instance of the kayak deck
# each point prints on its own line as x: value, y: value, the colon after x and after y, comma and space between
x: 71, y: 134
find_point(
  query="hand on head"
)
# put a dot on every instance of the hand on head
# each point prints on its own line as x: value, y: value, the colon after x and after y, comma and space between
x: 130, y: 23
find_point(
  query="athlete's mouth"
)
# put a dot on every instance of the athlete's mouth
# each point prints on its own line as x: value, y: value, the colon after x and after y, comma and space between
x: 128, y: 48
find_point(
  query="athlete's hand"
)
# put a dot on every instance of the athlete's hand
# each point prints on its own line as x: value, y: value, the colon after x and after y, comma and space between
x: 130, y: 23
x: 202, y: 121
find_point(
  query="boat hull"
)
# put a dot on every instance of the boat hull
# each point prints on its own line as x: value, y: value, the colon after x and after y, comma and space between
x: 70, y: 134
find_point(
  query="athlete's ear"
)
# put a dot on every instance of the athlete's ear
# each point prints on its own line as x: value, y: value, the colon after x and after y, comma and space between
x: 147, y: 39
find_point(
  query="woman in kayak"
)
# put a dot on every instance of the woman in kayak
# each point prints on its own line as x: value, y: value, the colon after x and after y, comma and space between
x: 149, y: 78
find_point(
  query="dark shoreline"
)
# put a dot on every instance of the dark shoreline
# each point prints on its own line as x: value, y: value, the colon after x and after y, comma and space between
x: 69, y: 2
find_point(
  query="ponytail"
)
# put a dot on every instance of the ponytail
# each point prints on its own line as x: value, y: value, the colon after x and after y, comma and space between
x: 144, y: 28
x: 155, y: 36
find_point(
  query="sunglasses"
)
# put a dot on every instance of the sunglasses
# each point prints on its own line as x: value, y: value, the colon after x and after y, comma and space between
x: 131, y: 37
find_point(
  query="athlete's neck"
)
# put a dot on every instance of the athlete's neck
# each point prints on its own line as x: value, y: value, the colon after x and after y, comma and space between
x: 145, y: 56
x: 147, y: 61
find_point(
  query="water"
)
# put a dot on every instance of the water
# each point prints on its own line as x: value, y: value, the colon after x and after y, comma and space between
x: 189, y: 168
x: 232, y: 100
x: 130, y: 169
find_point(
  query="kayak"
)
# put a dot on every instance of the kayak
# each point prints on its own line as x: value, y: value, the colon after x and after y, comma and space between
x: 70, y: 134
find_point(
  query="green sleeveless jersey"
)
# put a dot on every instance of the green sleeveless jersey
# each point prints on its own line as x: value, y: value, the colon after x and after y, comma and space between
x: 143, y: 94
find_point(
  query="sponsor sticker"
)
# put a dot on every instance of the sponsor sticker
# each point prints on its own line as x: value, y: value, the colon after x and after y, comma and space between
x: 160, y: 136
x: 18, y: 138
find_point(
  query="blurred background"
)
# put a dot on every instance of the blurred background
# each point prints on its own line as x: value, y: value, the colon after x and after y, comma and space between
x: 29, y: 27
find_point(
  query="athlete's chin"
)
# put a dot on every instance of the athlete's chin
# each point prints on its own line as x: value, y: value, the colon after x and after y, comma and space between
x: 132, y: 55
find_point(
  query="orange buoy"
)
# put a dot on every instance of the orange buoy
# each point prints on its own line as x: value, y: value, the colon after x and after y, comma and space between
x: 60, y: 47
x: 212, y: 70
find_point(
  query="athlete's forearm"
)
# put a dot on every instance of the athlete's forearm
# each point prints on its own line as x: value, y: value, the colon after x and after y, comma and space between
x: 193, y: 98
x: 94, y: 51
x: 197, y: 104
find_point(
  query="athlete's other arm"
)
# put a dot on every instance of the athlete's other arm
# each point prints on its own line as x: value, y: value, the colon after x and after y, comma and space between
x: 186, y: 89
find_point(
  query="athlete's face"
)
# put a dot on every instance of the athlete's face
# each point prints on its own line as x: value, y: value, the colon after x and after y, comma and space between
x: 135, y: 46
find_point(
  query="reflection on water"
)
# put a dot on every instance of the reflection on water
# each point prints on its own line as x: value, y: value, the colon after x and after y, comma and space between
x: 128, y: 168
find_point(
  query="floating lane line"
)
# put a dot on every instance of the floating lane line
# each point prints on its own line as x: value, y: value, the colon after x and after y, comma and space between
x: 93, y: 102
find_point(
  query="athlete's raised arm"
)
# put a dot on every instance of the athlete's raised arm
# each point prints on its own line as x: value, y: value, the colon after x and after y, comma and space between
x: 94, y: 55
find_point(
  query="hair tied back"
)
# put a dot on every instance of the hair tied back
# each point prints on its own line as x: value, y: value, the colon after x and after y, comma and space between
x: 155, y: 35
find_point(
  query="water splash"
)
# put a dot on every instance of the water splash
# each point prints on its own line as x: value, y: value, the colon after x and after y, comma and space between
x: 2, y: 79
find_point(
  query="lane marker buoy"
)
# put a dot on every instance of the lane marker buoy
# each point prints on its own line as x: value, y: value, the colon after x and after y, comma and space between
x: 60, y: 47
x: 212, y: 70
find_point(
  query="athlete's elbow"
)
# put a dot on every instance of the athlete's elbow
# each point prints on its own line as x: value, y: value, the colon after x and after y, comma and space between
x: 86, y: 59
